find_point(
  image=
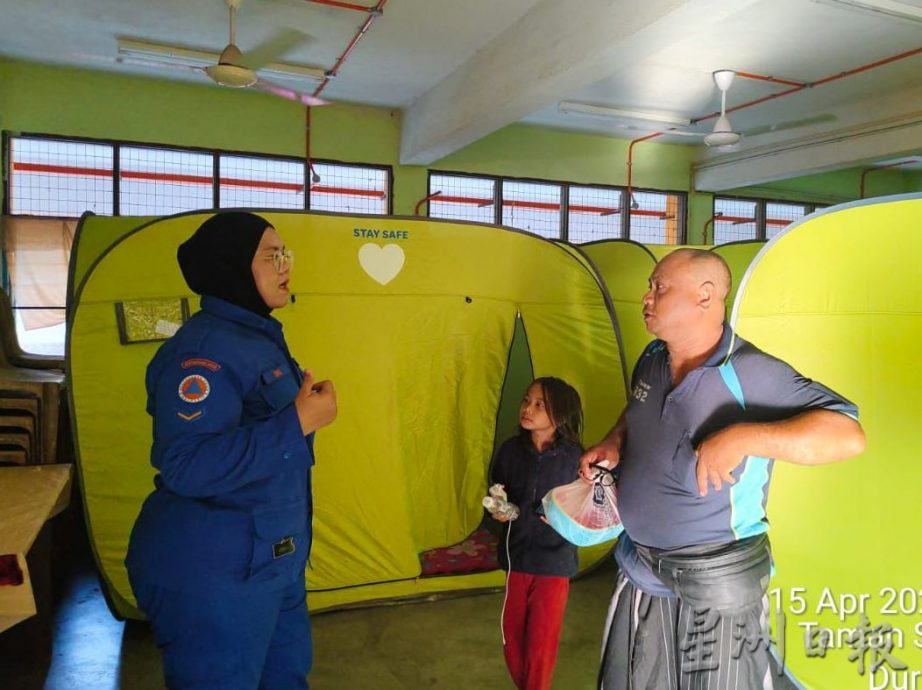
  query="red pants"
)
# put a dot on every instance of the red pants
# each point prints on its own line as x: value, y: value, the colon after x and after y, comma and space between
x: 532, y: 618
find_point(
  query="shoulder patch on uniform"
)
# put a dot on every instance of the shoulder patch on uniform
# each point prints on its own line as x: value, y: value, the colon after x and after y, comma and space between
x: 190, y: 417
x: 194, y: 388
x: 200, y: 362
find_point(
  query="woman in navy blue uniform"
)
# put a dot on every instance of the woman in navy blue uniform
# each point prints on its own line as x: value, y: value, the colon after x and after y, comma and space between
x: 217, y: 555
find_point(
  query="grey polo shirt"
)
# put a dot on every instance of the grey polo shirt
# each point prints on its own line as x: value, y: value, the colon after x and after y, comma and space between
x: 657, y: 490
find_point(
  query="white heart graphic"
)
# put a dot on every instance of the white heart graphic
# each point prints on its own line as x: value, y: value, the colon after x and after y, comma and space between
x: 381, y: 263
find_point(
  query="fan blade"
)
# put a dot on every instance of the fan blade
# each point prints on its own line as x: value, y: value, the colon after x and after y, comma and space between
x: 791, y: 124
x: 290, y: 94
x: 274, y: 48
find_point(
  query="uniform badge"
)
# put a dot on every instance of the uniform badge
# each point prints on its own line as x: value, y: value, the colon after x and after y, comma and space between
x: 190, y: 417
x: 194, y: 388
x: 200, y: 362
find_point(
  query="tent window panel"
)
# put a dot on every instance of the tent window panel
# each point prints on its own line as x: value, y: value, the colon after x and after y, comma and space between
x: 462, y: 198
x: 145, y: 321
x: 656, y: 218
x: 532, y: 206
x: 349, y: 189
x: 594, y: 213
x: 37, y: 254
x: 50, y: 177
x: 156, y: 182
x: 247, y: 182
x: 735, y: 220
x: 779, y: 215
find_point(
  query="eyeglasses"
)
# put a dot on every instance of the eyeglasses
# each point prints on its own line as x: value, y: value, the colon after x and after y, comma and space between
x: 281, y: 258
x: 603, y: 475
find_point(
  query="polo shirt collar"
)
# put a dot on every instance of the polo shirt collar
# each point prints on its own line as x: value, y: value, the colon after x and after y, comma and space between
x: 728, y: 344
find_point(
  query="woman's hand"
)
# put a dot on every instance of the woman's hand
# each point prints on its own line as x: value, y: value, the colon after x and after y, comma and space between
x: 315, y: 403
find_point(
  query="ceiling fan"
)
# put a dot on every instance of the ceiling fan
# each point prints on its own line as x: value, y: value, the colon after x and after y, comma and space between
x: 234, y: 68
x: 723, y: 134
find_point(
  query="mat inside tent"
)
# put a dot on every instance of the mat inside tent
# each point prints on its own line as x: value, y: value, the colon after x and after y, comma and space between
x: 415, y: 320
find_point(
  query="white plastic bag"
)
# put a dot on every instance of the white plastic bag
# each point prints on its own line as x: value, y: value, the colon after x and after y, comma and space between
x: 583, y: 513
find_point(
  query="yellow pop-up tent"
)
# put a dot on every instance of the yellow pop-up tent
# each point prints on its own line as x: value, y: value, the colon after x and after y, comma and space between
x: 837, y: 296
x: 412, y: 319
x: 625, y: 267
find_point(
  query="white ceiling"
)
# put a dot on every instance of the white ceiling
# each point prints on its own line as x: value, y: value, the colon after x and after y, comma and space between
x: 461, y: 70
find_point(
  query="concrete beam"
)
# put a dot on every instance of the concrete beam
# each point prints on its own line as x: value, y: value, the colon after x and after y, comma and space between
x: 556, y: 49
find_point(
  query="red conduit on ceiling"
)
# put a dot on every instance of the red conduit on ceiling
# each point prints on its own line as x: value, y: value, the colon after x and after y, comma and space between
x: 800, y: 86
x: 373, y: 14
x: 343, y: 5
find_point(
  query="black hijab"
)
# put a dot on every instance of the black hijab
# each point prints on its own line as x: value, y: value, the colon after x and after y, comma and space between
x: 218, y: 259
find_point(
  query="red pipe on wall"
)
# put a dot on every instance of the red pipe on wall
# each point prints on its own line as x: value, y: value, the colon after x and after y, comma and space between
x: 865, y: 173
x: 424, y: 200
x: 704, y: 230
x: 630, y: 164
x: 309, y: 172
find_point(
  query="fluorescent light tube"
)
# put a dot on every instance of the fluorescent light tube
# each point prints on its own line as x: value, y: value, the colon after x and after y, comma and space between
x: 889, y: 8
x: 573, y: 108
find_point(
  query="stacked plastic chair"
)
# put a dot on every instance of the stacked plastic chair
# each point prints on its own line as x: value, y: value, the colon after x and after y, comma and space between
x: 31, y: 388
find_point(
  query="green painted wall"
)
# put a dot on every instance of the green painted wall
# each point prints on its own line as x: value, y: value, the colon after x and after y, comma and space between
x: 84, y: 103
x: 838, y: 186
x: 71, y: 102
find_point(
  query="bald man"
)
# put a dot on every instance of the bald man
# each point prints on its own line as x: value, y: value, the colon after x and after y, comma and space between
x: 707, y: 414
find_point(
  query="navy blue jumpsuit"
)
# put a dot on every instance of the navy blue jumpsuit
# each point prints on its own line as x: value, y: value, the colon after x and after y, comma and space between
x: 217, y: 555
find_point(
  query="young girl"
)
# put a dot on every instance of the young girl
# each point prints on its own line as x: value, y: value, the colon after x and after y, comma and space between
x: 539, y: 562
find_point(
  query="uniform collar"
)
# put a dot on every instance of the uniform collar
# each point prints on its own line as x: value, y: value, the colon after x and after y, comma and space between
x: 231, y: 312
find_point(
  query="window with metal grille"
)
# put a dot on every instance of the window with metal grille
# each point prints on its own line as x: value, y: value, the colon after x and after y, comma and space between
x: 160, y: 182
x: 737, y: 219
x: 734, y: 220
x: 66, y: 177
x: 460, y: 197
x: 250, y: 182
x: 350, y: 188
x: 53, y: 177
x: 779, y: 215
x: 532, y: 206
x: 656, y: 218
x: 594, y: 213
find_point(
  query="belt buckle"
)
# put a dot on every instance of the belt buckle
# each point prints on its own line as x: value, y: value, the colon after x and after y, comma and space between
x: 283, y: 548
